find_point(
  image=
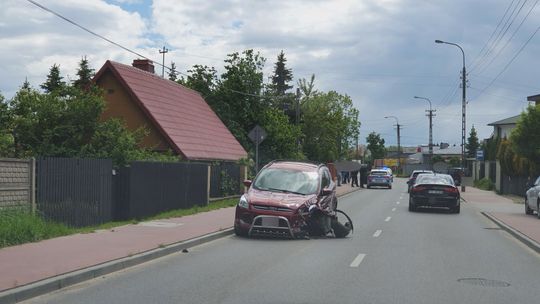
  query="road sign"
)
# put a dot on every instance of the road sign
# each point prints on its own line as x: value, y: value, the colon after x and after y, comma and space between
x: 257, y: 135
x: 480, y: 155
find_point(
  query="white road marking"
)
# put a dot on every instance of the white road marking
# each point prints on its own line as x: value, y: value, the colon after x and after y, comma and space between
x: 358, y: 260
x: 397, y: 203
x: 377, y: 233
x: 393, y: 209
x: 388, y: 219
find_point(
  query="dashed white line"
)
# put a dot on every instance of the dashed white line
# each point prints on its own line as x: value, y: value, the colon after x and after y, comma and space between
x: 393, y: 209
x: 358, y: 260
x: 388, y: 219
x: 397, y: 203
x: 377, y: 233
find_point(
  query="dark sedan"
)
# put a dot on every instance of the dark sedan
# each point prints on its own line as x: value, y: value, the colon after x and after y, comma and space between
x: 434, y: 190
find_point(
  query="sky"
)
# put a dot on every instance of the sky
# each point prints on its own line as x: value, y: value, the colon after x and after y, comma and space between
x: 381, y: 53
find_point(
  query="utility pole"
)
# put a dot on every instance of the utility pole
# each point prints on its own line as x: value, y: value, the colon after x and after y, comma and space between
x: 398, y: 141
x: 298, y: 116
x: 430, y: 115
x: 164, y: 51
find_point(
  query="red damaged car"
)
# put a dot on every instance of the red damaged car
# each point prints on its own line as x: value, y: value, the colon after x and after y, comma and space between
x: 290, y: 199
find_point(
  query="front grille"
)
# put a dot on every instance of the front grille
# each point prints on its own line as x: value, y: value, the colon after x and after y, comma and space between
x: 274, y: 226
x: 272, y: 208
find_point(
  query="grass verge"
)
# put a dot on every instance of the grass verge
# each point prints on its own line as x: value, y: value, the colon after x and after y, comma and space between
x: 18, y: 226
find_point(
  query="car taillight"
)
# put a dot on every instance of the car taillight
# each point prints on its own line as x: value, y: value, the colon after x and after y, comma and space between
x: 451, y: 190
x: 418, y: 189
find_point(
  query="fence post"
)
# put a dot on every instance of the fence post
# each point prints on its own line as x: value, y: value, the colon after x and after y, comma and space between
x: 209, y: 170
x: 33, y: 184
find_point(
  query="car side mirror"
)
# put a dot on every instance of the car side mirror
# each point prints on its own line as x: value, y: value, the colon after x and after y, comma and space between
x: 247, y: 183
x: 326, y: 192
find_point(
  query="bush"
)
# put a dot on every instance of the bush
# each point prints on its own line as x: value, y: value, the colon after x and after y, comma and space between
x: 19, y: 226
x: 484, y: 184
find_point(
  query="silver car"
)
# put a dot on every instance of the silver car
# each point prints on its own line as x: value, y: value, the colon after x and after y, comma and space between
x: 532, y: 198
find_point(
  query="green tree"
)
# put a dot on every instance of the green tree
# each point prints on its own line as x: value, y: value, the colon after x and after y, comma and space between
x: 307, y: 88
x: 54, y: 80
x: 375, y: 144
x: 173, y: 74
x: 472, y: 143
x: 84, y: 75
x: 280, y: 142
x: 204, y: 80
x: 6, y: 138
x: 282, y: 75
x: 330, y: 126
x: 525, y: 138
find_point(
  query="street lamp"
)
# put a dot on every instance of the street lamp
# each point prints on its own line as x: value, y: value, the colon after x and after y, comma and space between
x: 398, y: 141
x: 430, y: 111
x: 463, y: 105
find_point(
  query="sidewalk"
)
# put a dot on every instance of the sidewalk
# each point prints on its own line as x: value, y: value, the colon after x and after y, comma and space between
x: 506, y: 214
x: 33, y: 269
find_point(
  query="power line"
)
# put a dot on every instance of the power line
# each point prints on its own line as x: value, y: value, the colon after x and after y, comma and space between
x: 98, y: 35
x: 509, y: 39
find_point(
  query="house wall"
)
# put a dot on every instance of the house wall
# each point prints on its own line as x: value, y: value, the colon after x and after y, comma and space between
x: 119, y: 104
x: 504, y: 130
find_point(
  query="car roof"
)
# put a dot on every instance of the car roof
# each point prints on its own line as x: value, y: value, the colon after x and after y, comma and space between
x: 294, y: 165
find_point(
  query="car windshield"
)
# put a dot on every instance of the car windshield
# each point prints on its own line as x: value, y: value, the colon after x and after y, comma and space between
x: 434, y: 179
x: 287, y: 180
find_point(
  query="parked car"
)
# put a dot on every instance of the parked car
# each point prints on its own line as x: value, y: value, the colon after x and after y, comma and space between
x: 434, y: 190
x: 413, y: 176
x: 379, y: 177
x: 457, y: 174
x: 532, y: 198
x: 290, y: 199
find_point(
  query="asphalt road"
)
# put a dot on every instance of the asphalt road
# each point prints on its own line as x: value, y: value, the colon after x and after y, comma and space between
x: 394, y: 256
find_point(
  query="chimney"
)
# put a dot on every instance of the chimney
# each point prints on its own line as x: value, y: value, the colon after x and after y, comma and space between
x: 144, y: 64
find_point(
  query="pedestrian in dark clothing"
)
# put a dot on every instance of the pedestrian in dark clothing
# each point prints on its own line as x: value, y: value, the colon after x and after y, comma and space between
x: 354, y: 179
x: 363, y: 176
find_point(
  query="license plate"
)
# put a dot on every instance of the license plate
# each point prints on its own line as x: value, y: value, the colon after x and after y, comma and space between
x: 270, y: 221
x: 435, y: 192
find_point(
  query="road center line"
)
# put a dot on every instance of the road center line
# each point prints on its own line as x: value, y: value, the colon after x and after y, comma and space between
x: 358, y: 260
x: 377, y: 233
x: 393, y: 209
x: 387, y: 219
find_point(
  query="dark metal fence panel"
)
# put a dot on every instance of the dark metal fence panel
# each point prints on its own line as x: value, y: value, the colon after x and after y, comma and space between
x: 157, y: 187
x: 76, y: 192
x: 493, y: 171
x: 482, y: 172
x: 16, y: 183
x: 516, y: 185
x: 224, y: 179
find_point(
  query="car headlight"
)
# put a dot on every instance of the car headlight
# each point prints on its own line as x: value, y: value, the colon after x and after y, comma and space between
x: 243, y: 202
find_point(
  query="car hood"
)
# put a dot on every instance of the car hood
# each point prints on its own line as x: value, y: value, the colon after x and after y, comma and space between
x: 278, y: 199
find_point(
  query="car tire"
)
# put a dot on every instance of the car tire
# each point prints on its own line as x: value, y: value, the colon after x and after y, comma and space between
x: 456, y: 209
x: 412, y: 207
x: 527, y: 209
x: 239, y: 232
x: 368, y: 186
x: 538, y: 209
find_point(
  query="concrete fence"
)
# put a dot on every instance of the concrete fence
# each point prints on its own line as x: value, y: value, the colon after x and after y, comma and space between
x: 17, y: 183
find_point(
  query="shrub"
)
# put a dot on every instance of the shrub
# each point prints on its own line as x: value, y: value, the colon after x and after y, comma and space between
x: 484, y: 184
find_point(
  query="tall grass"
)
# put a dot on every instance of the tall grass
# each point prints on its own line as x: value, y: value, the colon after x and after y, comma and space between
x: 19, y: 226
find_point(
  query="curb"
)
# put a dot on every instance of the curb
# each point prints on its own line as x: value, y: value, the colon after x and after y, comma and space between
x: 518, y: 235
x: 48, y: 285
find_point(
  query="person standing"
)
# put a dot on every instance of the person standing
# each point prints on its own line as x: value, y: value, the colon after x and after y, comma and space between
x: 354, y: 180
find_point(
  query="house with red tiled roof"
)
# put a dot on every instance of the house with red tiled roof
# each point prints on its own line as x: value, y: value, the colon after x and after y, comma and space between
x: 178, y: 119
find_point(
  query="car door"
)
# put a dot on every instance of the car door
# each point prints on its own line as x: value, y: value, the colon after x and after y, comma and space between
x: 534, y: 195
x: 326, y: 183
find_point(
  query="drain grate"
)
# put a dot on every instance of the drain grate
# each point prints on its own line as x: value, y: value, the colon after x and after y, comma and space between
x: 484, y: 282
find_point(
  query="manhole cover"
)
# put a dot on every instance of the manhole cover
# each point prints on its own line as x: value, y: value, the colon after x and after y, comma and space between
x: 484, y: 282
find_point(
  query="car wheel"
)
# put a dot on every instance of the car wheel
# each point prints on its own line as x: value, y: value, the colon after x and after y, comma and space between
x: 389, y: 186
x: 538, y: 209
x: 457, y: 208
x: 527, y: 209
x: 368, y: 186
x: 239, y: 232
x: 412, y: 207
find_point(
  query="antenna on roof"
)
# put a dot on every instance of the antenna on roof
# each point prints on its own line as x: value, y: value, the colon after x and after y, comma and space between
x: 164, y: 51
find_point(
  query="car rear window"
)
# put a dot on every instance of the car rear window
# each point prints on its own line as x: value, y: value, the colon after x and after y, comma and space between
x: 434, y: 179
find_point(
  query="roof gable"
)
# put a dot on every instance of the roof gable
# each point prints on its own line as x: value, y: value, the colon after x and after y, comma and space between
x: 507, y: 121
x: 192, y: 128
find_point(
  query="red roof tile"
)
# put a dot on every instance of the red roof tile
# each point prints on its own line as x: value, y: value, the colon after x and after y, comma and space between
x: 185, y: 119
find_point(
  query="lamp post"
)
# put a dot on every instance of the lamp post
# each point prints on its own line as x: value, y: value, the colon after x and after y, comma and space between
x: 398, y: 141
x: 430, y: 115
x: 463, y: 106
